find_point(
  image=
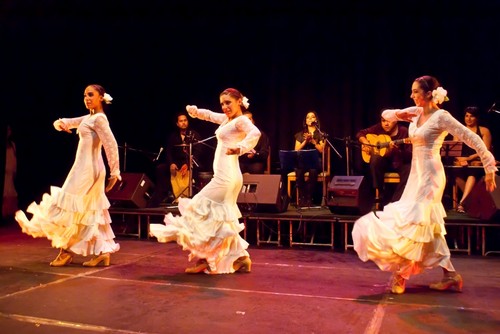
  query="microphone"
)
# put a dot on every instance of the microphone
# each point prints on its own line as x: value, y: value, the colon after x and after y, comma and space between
x: 492, y: 108
x: 315, y: 123
x: 159, y: 153
x: 193, y: 138
x: 189, y: 137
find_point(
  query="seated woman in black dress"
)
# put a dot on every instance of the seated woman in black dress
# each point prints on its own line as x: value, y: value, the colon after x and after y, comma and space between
x: 309, y: 138
x: 466, y: 178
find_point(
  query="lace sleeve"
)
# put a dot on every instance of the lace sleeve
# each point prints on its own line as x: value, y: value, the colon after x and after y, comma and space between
x: 208, y: 115
x: 101, y: 127
x: 252, y: 134
x: 448, y: 123
x: 391, y: 114
x: 71, y: 123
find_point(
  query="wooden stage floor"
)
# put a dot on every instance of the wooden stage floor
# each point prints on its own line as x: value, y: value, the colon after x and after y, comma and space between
x: 298, y: 289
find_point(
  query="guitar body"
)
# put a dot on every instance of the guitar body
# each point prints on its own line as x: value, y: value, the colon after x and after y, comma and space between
x: 380, y: 144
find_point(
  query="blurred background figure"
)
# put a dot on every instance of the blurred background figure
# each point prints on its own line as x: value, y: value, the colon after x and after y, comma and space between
x: 255, y: 161
x: 9, y: 202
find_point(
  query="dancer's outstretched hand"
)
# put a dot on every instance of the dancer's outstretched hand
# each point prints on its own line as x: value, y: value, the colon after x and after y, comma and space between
x: 192, y: 110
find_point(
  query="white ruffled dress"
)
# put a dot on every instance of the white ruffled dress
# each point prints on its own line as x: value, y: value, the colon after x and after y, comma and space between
x: 75, y: 217
x: 408, y: 236
x: 209, y: 226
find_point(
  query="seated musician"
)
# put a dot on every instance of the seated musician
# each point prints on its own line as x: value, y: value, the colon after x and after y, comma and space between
x: 466, y: 178
x: 172, y: 170
x: 255, y: 161
x: 385, y: 151
x: 309, y: 138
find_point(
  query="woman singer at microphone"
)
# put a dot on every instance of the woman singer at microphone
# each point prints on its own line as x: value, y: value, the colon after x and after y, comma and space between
x: 308, y: 139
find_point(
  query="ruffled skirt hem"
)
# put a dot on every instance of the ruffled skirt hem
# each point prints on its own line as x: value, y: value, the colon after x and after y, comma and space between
x: 83, y: 232
x: 399, y: 241
x: 208, y: 230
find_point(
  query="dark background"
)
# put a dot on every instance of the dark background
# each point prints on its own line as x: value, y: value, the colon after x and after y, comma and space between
x: 347, y: 60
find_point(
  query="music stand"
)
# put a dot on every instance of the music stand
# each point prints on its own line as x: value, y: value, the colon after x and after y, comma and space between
x: 450, y: 150
x: 303, y: 159
x: 288, y: 161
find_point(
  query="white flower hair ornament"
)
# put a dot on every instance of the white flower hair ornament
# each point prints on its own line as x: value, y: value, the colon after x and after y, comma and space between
x: 245, y: 102
x: 439, y: 95
x: 107, y: 98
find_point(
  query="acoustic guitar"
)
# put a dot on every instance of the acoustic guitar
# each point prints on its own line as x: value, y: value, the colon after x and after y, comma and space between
x: 380, y: 145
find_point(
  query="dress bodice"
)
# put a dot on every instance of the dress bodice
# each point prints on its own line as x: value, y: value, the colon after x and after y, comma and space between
x: 430, y: 135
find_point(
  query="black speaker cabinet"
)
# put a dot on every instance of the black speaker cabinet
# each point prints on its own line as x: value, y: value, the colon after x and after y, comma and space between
x: 133, y: 191
x: 349, y: 195
x: 481, y: 203
x: 262, y: 193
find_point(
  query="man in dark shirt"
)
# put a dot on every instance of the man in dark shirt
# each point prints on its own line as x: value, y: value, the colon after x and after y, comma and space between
x: 385, y: 150
x: 172, y: 170
x: 255, y: 161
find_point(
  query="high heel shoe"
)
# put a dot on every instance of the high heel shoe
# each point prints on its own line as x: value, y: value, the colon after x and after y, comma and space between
x: 243, y: 265
x: 449, y: 283
x: 199, y: 267
x: 63, y: 258
x: 105, y: 258
x: 398, y: 284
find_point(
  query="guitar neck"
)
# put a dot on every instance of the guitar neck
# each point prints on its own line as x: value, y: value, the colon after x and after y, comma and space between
x: 380, y: 143
x: 395, y: 142
x: 401, y: 141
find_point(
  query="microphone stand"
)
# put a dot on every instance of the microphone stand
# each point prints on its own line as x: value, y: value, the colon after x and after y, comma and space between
x: 325, y: 137
x: 492, y: 109
x: 193, y: 161
x: 127, y: 148
x: 204, y: 140
x: 348, y: 142
x: 347, y: 155
x: 190, y: 169
x: 125, y: 157
x: 159, y: 154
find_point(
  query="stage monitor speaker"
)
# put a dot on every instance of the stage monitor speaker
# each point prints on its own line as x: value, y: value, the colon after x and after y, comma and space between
x: 262, y: 193
x: 481, y: 203
x: 349, y: 195
x: 133, y: 191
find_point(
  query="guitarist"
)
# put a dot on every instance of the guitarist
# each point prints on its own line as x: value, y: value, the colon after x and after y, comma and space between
x: 396, y: 157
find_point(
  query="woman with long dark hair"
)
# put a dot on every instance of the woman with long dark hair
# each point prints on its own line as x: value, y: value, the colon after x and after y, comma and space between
x: 466, y: 178
x: 309, y: 138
